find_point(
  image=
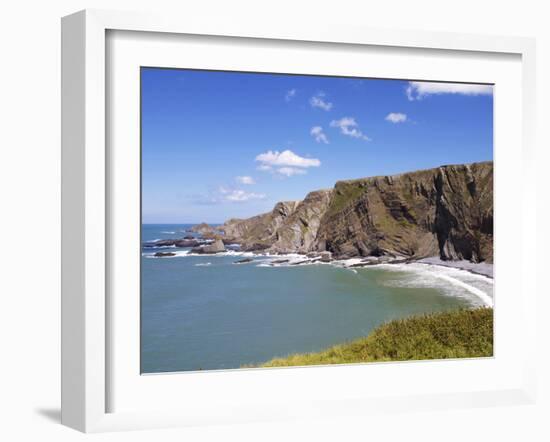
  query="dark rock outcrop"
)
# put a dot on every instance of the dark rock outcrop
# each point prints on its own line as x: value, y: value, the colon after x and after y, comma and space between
x: 174, y: 243
x: 164, y: 254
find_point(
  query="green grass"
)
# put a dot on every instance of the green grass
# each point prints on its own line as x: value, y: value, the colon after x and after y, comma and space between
x: 345, y: 192
x: 456, y: 334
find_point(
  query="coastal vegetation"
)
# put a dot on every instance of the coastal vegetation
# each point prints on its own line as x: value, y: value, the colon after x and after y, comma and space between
x: 466, y: 333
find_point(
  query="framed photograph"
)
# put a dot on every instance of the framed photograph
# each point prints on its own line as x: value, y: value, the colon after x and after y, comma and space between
x: 264, y: 222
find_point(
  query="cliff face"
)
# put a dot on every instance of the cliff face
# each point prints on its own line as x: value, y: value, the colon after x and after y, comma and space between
x: 298, y: 233
x: 259, y: 232
x: 446, y: 212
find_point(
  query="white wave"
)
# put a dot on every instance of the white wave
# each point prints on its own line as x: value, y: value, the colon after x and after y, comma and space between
x: 348, y: 262
x: 267, y: 256
x: 181, y: 253
x: 478, y: 289
x: 176, y: 254
x: 203, y: 264
x: 264, y: 264
x: 236, y: 253
x: 487, y: 300
x: 293, y: 260
x: 186, y: 253
x: 264, y: 259
x: 152, y: 246
x: 169, y: 233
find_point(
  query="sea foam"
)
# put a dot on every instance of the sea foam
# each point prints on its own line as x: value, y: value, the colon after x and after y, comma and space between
x: 478, y: 289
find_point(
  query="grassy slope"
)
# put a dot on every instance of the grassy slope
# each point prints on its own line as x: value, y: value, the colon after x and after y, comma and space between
x: 457, y: 334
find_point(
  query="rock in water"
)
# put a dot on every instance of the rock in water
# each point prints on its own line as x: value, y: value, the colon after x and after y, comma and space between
x: 164, y: 254
x: 174, y: 242
x: 243, y: 261
x: 216, y: 247
x: 187, y: 243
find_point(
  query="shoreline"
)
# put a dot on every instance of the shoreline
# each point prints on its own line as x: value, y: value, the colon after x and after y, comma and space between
x: 482, y: 269
x: 268, y: 260
x: 301, y: 258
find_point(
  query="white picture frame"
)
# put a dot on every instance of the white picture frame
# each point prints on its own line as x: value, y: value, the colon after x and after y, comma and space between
x: 86, y: 353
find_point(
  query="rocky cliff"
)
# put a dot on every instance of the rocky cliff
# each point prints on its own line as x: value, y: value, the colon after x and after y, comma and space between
x: 259, y: 232
x: 299, y: 231
x: 445, y: 212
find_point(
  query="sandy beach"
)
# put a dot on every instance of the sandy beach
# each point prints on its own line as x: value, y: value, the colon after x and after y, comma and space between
x: 481, y: 268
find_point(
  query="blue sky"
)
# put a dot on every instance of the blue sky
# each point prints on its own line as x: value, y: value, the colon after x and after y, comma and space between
x: 218, y: 145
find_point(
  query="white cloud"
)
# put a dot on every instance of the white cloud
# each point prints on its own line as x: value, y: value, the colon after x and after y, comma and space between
x: 318, y: 100
x: 245, y: 180
x: 285, y: 163
x: 238, y: 195
x: 416, y: 90
x: 290, y: 94
x: 265, y: 168
x: 396, y: 117
x: 290, y: 171
x: 317, y: 133
x: 348, y: 126
x: 286, y: 158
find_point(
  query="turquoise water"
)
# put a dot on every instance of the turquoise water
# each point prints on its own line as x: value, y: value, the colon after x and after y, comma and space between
x: 205, y: 312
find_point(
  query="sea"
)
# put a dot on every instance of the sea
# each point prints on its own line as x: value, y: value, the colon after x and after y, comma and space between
x: 206, y: 312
